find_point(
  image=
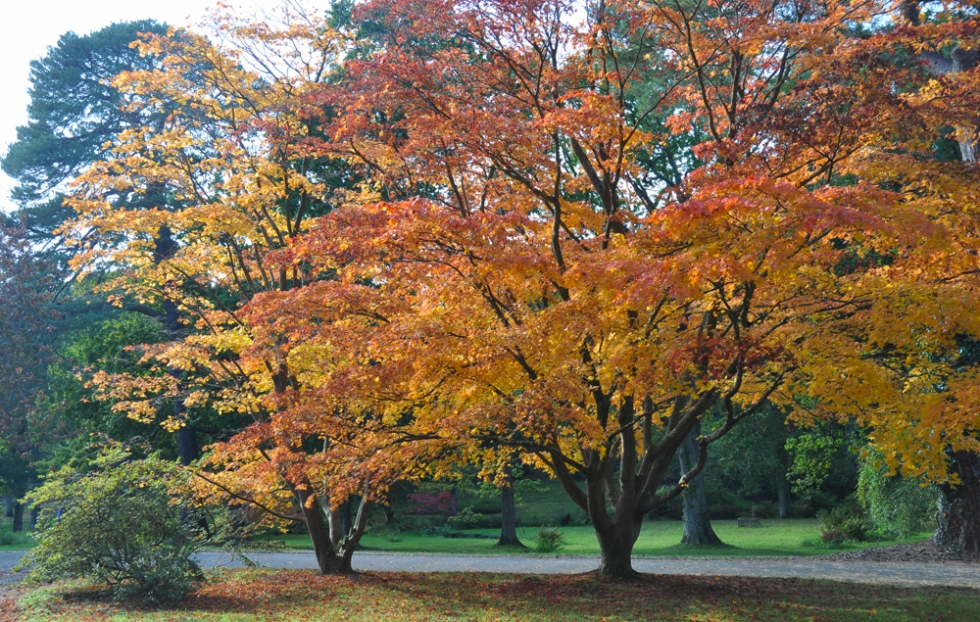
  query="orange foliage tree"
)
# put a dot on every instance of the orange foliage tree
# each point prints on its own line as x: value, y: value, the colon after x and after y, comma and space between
x: 231, y: 175
x: 502, y: 287
x: 499, y: 285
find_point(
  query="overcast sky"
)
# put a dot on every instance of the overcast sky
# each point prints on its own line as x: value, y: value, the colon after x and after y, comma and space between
x: 28, y: 27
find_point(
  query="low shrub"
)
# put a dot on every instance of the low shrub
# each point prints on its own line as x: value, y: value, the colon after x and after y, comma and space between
x: 119, y: 526
x: 548, y: 540
x: 425, y: 524
x: 468, y: 519
x: 765, y: 509
x: 843, y: 524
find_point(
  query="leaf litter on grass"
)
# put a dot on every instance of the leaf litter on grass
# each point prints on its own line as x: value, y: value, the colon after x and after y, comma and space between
x: 259, y: 595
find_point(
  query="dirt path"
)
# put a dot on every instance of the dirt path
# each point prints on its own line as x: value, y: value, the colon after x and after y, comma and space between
x: 896, y: 573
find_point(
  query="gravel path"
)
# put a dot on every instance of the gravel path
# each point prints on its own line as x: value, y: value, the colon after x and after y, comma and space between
x: 896, y: 573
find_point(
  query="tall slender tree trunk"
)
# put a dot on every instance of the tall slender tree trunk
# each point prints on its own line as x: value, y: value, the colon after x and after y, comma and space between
x: 783, y: 491
x: 188, y: 449
x: 782, y: 485
x: 697, y: 524
x: 508, y: 521
x: 8, y: 503
x: 18, y: 517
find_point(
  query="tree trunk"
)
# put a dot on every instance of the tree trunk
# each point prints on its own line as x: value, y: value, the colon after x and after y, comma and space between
x: 616, y: 551
x: 35, y: 512
x: 334, y: 548
x: 508, y: 525
x: 187, y: 447
x: 784, y: 492
x: 958, y: 516
x: 8, y: 502
x: 697, y: 524
x: 18, y: 517
x: 782, y: 486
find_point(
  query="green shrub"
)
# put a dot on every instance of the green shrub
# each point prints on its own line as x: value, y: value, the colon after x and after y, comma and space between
x: 425, y: 524
x: 897, y: 506
x: 6, y: 537
x: 548, y: 540
x: 120, y: 526
x: 843, y: 524
x: 468, y: 519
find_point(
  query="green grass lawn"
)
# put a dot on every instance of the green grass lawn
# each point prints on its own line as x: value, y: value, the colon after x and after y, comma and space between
x: 254, y: 595
x: 775, y: 537
x: 10, y: 541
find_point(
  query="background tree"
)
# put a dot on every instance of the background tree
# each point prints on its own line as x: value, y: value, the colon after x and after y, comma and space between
x: 73, y: 114
x: 238, y: 172
x: 27, y: 335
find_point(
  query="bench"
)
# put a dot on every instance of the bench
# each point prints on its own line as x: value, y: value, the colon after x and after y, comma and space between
x: 749, y: 521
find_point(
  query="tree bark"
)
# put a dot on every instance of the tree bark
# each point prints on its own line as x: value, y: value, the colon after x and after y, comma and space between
x: 18, y: 517
x: 782, y: 486
x: 958, y: 515
x: 784, y: 495
x: 8, y: 502
x: 697, y: 523
x: 616, y: 550
x: 333, y: 546
x: 508, y: 523
x: 188, y: 449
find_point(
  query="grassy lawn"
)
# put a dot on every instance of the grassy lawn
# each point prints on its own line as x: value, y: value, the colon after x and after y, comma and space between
x: 775, y: 537
x: 10, y: 541
x: 252, y: 595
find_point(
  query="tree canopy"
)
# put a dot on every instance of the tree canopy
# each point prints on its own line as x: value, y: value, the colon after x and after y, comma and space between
x: 409, y: 235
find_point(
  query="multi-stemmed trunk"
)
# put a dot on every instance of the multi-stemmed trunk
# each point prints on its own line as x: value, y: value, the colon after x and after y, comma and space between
x: 333, y: 545
x: 334, y: 542
x: 697, y: 522
x: 634, y: 490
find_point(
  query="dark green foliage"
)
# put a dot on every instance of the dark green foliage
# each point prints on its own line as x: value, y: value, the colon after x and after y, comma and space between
x: 73, y: 112
x: 120, y: 526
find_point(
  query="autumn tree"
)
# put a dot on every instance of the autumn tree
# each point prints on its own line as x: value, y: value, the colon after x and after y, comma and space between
x: 230, y: 178
x: 923, y: 146
x: 500, y: 286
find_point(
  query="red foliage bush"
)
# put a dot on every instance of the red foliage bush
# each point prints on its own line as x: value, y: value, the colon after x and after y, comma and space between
x: 440, y: 503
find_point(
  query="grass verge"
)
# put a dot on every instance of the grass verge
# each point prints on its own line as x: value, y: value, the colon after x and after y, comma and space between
x: 252, y: 595
x: 774, y: 538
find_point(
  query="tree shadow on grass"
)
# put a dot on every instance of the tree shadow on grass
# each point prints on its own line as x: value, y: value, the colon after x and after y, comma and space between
x: 285, y: 594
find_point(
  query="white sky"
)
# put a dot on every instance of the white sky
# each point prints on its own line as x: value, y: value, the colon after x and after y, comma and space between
x: 28, y: 27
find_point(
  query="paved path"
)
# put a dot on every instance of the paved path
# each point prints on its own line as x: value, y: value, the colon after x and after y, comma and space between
x: 910, y: 574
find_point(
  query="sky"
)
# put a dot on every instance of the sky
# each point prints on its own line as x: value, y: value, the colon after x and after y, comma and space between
x: 28, y: 27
